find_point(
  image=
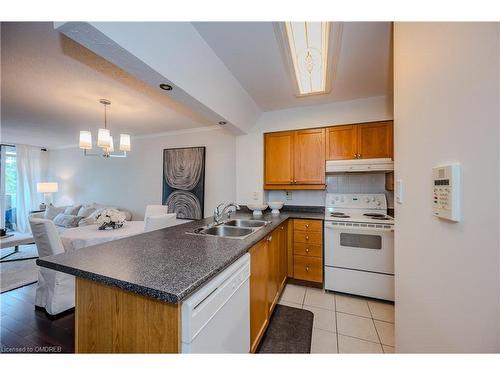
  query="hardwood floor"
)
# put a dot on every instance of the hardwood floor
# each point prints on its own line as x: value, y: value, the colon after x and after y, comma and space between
x: 26, y: 330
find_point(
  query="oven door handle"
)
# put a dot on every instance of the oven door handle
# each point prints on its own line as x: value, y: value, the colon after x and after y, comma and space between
x: 357, y: 229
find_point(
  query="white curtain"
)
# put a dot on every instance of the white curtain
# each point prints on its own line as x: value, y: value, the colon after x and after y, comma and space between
x: 29, y: 172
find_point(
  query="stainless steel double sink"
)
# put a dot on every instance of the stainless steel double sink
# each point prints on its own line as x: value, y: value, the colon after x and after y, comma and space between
x: 235, y: 228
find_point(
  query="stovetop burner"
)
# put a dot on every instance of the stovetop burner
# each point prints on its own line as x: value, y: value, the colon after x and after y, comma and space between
x: 339, y: 214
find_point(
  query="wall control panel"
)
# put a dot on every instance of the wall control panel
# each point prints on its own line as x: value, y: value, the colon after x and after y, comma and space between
x: 446, y: 192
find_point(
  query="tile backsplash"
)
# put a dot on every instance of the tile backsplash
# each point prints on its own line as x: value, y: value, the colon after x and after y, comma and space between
x: 336, y: 183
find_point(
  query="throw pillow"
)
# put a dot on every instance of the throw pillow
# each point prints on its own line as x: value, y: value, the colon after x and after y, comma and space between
x: 67, y: 221
x: 51, y: 212
x: 72, y: 210
x: 86, y: 211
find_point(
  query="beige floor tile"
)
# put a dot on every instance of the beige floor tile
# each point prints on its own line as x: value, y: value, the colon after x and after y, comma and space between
x: 319, y: 298
x: 386, y: 332
x: 294, y: 293
x: 352, y: 305
x: 353, y: 345
x: 382, y: 310
x: 356, y: 326
x: 323, y: 319
x: 323, y: 341
x: 389, y: 349
x: 291, y: 304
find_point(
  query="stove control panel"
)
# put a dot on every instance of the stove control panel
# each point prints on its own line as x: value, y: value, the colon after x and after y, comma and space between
x: 446, y: 192
x: 356, y: 201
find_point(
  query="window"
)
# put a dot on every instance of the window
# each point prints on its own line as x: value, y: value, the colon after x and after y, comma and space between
x: 8, y: 186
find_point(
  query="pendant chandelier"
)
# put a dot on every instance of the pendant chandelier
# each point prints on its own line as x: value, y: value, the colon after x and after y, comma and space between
x: 104, y: 139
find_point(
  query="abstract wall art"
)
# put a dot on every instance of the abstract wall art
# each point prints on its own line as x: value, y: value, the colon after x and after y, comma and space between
x: 184, y: 181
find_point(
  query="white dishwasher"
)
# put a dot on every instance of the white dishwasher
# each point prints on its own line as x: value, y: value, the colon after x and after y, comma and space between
x: 216, y: 319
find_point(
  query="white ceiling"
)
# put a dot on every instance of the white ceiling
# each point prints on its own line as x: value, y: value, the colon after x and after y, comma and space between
x: 51, y: 88
x: 251, y: 52
x: 51, y: 85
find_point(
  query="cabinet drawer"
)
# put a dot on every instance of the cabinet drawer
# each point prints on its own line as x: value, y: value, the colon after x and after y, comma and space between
x: 307, y: 268
x: 308, y: 225
x: 307, y: 250
x: 314, y: 238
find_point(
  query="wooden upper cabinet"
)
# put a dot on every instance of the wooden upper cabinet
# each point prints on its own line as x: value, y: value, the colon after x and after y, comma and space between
x: 278, y: 155
x: 309, y: 157
x: 295, y: 160
x: 375, y: 140
x: 341, y: 142
x: 360, y: 141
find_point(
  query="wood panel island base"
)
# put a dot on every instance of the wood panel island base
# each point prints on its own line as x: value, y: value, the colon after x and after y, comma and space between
x: 113, y: 320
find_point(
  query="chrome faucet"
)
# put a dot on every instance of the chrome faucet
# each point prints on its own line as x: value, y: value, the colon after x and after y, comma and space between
x: 220, y: 212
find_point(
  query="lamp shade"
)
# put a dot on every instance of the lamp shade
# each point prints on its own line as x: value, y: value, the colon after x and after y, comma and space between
x: 103, y: 138
x: 47, y: 187
x: 124, y: 142
x: 111, y: 147
x: 85, y: 140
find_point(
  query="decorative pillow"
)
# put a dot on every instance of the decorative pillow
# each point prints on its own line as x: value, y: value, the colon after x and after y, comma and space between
x: 72, y: 210
x: 86, y: 211
x: 67, y: 221
x: 51, y: 212
x: 87, y: 221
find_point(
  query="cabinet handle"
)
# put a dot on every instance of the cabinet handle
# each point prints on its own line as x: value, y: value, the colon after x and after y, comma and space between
x: 291, y: 181
x: 294, y: 181
x: 270, y: 238
x: 355, y: 156
x: 307, y: 268
x: 359, y: 156
x: 307, y: 225
x: 282, y: 228
x: 307, y: 251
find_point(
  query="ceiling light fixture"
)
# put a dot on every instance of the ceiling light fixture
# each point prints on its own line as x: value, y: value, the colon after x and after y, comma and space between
x: 165, y: 86
x: 308, y: 44
x: 222, y: 123
x: 104, y: 139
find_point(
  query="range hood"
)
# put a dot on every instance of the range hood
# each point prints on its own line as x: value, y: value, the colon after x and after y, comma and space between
x: 360, y: 165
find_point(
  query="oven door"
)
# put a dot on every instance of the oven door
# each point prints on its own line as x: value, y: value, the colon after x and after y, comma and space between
x: 359, y: 248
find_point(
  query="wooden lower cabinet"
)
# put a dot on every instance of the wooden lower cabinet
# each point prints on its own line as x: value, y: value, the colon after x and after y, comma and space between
x: 259, y: 313
x: 268, y: 272
x: 308, y: 250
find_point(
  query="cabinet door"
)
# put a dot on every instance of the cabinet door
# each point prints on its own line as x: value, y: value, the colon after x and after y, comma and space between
x: 278, y: 158
x: 309, y: 156
x: 375, y: 140
x: 259, y: 313
x: 273, y: 262
x: 283, y: 258
x: 341, y: 142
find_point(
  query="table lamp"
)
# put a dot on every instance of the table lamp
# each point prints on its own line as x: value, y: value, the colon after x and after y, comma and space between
x: 47, y: 188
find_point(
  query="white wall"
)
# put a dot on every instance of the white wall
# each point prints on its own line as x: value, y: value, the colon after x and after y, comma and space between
x: 136, y: 181
x: 249, y: 147
x: 445, y: 110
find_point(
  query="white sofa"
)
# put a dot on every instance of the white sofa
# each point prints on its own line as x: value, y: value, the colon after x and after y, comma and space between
x: 87, y: 216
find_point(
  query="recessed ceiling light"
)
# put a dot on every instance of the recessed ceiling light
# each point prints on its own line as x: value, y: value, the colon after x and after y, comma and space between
x: 308, y: 44
x: 165, y: 86
x: 222, y: 123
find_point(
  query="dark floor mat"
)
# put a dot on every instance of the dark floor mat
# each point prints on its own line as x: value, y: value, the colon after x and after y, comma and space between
x: 289, y: 331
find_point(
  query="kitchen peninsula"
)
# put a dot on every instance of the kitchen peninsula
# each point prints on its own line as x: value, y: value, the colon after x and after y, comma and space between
x: 129, y: 292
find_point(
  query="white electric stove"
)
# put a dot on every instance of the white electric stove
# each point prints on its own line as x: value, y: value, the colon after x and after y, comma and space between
x: 359, y: 245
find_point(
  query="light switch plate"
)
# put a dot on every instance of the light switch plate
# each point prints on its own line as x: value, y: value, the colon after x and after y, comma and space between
x: 399, y: 191
x: 288, y: 195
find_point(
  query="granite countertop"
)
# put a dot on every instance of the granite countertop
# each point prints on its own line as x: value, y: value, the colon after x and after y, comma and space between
x: 167, y: 264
